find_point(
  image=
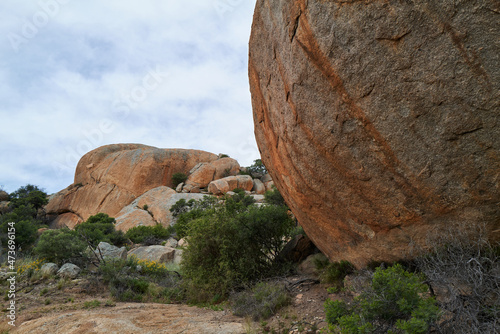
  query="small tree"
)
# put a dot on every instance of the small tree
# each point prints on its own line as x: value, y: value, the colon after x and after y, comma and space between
x: 257, y: 167
x: 29, y: 195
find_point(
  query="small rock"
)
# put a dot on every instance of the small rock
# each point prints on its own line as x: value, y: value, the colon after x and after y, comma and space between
x: 49, y: 269
x: 156, y: 253
x: 179, y: 187
x: 69, y: 270
x: 110, y: 251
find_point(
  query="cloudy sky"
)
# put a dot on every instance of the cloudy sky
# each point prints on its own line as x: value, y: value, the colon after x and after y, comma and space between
x: 76, y: 75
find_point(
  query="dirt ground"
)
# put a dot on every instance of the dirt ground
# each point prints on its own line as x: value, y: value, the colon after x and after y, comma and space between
x: 85, y: 306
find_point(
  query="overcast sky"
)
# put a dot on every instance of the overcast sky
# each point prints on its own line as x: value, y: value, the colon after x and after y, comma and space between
x: 76, y: 75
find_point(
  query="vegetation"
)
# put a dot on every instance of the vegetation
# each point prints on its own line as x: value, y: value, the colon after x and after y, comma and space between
x: 100, y: 227
x: 394, y: 303
x: 60, y: 246
x: 465, y: 270
x: 148, y: 234
x: 230, y: 242
x: 23, y: 212
x: 29, y: 195
x: 260, y: 302
x: 135, y: 280
x: 178, y: 178
x: 257, y: 167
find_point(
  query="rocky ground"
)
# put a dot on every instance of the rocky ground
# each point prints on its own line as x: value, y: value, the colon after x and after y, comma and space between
x: 84, y: 306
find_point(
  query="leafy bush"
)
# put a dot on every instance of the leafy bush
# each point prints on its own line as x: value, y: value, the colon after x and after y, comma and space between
x: 335, y: 272
x: 60, y: 246
x: 178, y: 178
x: 138, y: 234
x: 261, y: 302
x: 100, y: 227
x: 232, y: 242
x: 395, y: 303
x: 187, y: 212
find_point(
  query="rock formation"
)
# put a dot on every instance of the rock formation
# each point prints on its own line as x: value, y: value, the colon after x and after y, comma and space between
x: 132, y: 183
x: 109, y: 178
x: 379, y: 121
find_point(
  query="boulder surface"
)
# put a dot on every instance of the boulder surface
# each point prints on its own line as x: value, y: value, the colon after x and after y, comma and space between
x: 379, y: 121
x: 110, y: 177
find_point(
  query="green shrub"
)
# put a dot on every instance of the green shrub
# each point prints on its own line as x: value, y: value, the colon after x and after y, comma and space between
x: 100, y: 227
x: 395, y: 303
x: 261, y: 302
x: 60, y: 246
x: 137, y: 280
x: 29, y: 195
x: 25, y: 232
x: 335, y: 272
x: 186, y: 212
x: 178, y: 178
x: 232, y: 242
x: 138, y: 234
x: 274, y: 197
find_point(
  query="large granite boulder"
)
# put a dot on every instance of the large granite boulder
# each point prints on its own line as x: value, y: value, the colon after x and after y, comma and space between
x: 110, y: 177
x: 379, y: 121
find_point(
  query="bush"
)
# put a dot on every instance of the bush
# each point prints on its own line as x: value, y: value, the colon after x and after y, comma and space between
x: 274, y: 197
x: 261, y: 302
x: 138, y: 234
x: 231, y: 243
x: 463, y: 269
x: 29, y: 195
x: 186, y: 212
x: 335, y: 272
x: 60, y: 246
x: 178, y: 178
x: 395, y: 303
x: 137, y: 280
x: 100, y: 227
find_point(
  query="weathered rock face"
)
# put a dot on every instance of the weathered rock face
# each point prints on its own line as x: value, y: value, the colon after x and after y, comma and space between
x: 379, y: 121
x: 156, y: 253
x: 158, y: 202
x: 109, y: 178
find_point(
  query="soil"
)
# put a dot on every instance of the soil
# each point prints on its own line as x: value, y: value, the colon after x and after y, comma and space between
x: 85, y: 306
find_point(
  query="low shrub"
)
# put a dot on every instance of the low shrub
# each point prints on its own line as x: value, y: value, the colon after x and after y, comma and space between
x: 60, y: 246
x: 137, y: 280
x: 138, y: 234
x: 178, y: 178
x: 396, y: 302
x: 100, y: 227
x: 261, y: 302
x: 335, y: 272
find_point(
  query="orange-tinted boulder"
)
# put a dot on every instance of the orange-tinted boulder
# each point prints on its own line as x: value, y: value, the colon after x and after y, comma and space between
x: 110, y: 177
x: 379, y: 121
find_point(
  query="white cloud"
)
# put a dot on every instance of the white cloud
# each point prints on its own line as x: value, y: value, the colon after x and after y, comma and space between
x: 88, y: 63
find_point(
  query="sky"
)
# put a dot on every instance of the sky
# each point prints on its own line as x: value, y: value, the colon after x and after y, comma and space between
x: 76, y: 75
